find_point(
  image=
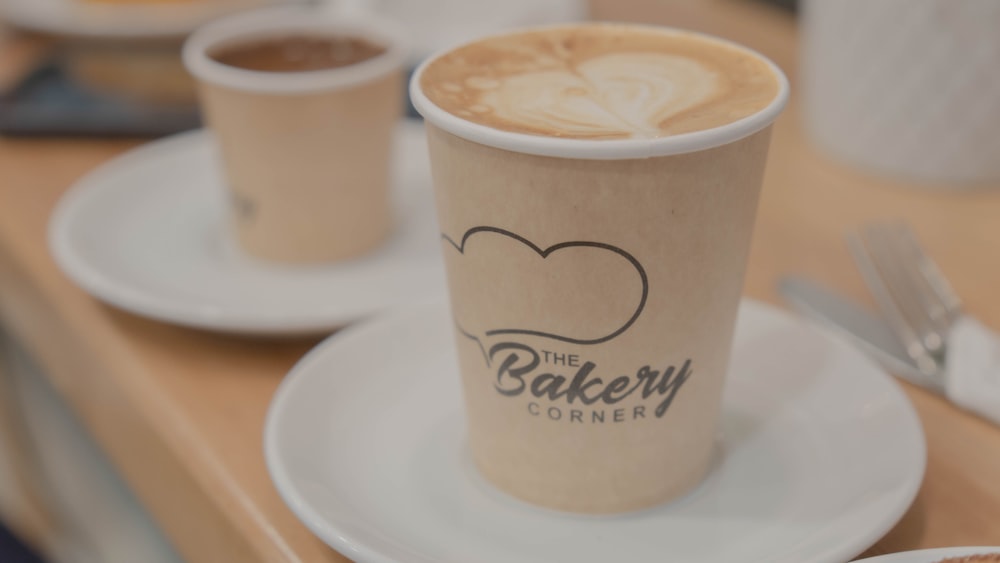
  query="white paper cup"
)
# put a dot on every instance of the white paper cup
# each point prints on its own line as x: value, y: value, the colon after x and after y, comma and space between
x: 306, y: 154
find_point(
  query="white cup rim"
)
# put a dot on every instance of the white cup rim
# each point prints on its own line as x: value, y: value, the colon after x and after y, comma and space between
x: 278, y: 21
x: 603, y: 149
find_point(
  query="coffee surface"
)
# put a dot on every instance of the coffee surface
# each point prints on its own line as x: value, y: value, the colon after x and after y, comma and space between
x: 600, y: 81
x: 296, y: 53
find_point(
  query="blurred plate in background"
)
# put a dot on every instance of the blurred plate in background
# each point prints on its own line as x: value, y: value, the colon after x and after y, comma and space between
x: 118, y: 19
x: 146, y: 232
x: 433, y: 25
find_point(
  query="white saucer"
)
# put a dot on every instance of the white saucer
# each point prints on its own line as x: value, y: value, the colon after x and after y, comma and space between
x: 364, y: 440
x: 80, y: 18
x: 434, y: 25
x: 930, y: 555
x: 146, y: 232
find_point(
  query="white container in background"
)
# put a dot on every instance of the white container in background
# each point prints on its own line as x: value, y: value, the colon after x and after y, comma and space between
x: 908, y: 88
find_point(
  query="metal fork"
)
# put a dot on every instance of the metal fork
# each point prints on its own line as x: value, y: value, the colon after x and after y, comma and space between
x: 914, y: 297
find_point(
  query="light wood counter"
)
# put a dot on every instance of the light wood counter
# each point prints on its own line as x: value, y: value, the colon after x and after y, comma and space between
x: 180, y: 412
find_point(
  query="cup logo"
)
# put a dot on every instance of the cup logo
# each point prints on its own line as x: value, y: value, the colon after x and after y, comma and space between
x: 527, y: 268
x: 577, y: 293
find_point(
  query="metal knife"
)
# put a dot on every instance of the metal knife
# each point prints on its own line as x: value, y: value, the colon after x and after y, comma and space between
x: 852, y: 321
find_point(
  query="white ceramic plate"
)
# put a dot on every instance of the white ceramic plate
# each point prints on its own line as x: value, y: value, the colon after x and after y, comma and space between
x: 930, y: 555
x: 822, y: 454
x: 433, y: 25
x: 146, y: 232
x: 106, y: 20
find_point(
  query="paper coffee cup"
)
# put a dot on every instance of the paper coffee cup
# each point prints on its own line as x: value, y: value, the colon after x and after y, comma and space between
x: 305, y: 154
x: 594, y: 286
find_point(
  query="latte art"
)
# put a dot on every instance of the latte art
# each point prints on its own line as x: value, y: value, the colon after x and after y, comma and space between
x: 617, y: 94
x: 600, y: 81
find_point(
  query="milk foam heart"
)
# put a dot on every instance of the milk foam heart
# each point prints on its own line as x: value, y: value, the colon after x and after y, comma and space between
x: 600, y: 81
x: 620, y: 93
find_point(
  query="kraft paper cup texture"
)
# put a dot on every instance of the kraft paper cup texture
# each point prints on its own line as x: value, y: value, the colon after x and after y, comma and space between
x: 594, y: 287
x: 305, y: 154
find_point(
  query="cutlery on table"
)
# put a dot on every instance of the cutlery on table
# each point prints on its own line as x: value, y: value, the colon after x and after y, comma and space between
x: 922, y: 333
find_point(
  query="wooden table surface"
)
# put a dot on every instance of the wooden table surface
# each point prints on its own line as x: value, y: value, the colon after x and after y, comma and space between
x: 180, y: 412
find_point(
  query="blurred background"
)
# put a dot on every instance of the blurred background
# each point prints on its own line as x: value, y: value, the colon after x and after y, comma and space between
x: 82, y: 70
x: 112, y: 67
x: 85, y: 70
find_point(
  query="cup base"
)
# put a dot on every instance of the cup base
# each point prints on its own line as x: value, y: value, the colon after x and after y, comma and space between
x: 596, y: 507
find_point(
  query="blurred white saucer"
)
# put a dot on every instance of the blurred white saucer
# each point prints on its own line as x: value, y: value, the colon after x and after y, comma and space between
x: 95, y: 19
x: 433, y: 25
x: 146, y: 232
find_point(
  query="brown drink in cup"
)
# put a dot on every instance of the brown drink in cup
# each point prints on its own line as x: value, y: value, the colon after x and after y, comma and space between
x: 596, y: 187
x: 303, y: 108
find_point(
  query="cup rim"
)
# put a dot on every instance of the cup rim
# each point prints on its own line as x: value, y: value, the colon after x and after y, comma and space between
x: 601, y: 149
x: 277, y: 21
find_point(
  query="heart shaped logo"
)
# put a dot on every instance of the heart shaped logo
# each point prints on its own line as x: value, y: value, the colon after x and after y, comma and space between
x: 579, y: 292
x: 612, y: 95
